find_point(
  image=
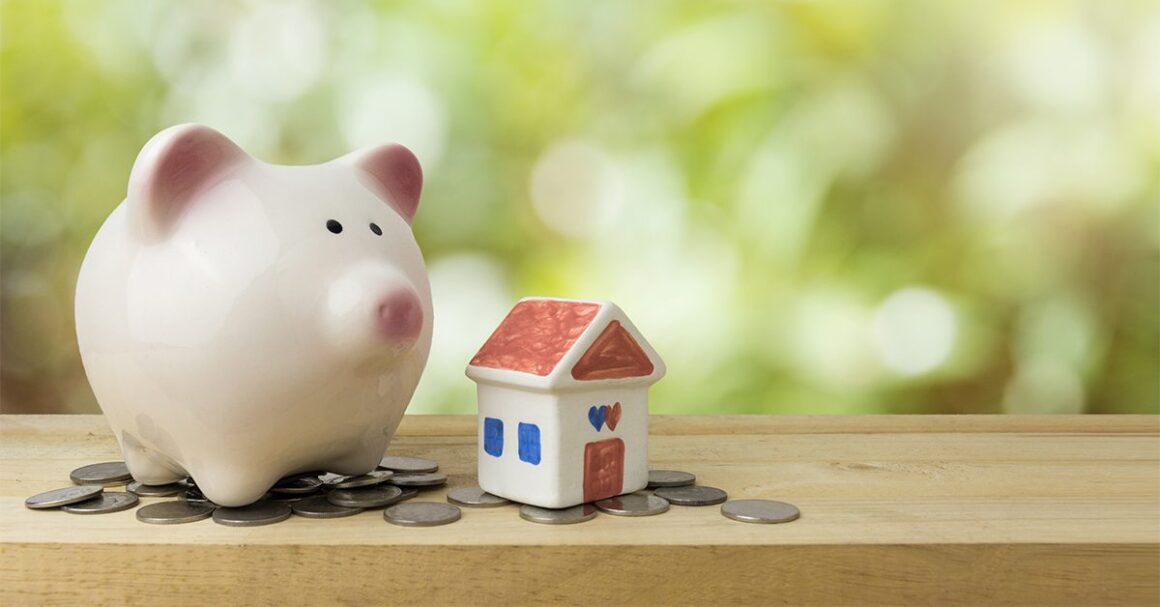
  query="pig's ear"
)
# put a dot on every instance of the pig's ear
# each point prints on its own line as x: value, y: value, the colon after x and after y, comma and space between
x: 395, y: 175
x: 176, y: 165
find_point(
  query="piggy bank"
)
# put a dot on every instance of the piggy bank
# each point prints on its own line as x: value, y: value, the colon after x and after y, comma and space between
x: 241, y: 321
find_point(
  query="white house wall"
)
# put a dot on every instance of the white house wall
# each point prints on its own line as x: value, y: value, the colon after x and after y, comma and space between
x: 558, y: 480
x: 507, y: 475
x: 632, y: 429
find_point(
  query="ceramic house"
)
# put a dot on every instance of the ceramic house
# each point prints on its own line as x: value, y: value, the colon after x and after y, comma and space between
x: 563, y: 403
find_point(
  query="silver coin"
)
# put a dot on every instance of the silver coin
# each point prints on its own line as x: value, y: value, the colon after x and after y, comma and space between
x: 634, y: 504
x: 561, y: 516
x: 106, y: 473
x: 108, y: 501
x: 408, y: 493
x: 373, y: 477
x: 422, y: 514
x: 167, y: 490
x: 365, y: 497
x: 290, y: 498
x: 670, y: 478
x: 400, y: 463
x: 475, y: 497
x: 63, y: 496
x: 692, y: 495
x: 174, y: 512
x: 258, y: 513
x: 760, y: 511
x: 297, y: 485
x: 419, y: 479
x: 320, y: 507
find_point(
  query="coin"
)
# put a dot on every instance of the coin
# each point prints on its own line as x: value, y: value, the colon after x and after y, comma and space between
x: 373, y: 477
x: 561, y: 516
x: 63, y: 496
x: 297, y: 485
x: 320, y: 507
x: 365, y: 497
x: 408, y: 493
x: 400, y: 463
x: 760, y: 511
x: 669, y: 478
x: 108, y: 501
x: 174, y: 512
x: 419, y: 479
x: 258, y: 513
x: 106, y: 473
x: 634, y: 504
x: 422, y: 514
x: 692, y: 495
x: 290, y: 498
x: 475, y: 497
x: 157, y: 490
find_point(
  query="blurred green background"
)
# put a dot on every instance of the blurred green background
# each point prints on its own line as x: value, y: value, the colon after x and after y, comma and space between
x: 807, y: 207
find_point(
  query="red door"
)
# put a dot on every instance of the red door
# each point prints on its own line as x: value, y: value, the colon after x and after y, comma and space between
x: 603, y: 469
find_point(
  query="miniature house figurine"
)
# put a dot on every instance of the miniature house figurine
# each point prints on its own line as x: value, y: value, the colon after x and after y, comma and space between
x: 563, y: 403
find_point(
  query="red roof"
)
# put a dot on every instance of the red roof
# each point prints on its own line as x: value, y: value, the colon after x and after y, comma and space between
x: 535, y: 335
x: 614, y: 355
x: 538, y: 333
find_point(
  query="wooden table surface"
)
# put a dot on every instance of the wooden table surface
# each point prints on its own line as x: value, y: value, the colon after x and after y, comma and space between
x: 917, y: 510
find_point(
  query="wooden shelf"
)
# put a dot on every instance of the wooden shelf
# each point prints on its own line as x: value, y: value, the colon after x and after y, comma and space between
x: 917, y: 510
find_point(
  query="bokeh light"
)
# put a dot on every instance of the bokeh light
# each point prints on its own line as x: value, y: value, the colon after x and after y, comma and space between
x: 807, y: 207
x: 576, y: 189
x: 914, y: 331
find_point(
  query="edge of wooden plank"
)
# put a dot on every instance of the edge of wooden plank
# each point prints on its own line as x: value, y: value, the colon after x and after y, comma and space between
x: 688, y: 425
x: 996, y: 574
x: 465, y: 425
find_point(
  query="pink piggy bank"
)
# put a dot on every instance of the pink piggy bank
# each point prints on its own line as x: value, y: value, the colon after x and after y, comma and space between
x: 241, y: 321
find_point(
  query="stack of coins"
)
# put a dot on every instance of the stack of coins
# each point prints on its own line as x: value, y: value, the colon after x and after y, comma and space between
x: 316, y: 494
x: 558, y: 516
x: 679, y: 488
x: 632, y: 504
x: 88, y: 496
x: 669, y: 488
x: 324, y: 495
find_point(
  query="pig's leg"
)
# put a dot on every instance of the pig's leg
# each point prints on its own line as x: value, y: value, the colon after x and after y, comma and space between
x: 355, y: 463
x: 231, y: 483
x: 147, y: 467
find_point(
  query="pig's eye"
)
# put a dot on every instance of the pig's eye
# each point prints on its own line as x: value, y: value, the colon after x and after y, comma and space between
x: 333, y: 226
x: 376, y: 229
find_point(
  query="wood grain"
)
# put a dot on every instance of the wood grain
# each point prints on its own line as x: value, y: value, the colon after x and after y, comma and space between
x: 931, y: 510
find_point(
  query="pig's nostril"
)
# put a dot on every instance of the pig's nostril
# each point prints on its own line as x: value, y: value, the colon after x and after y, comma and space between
x: 400, y: 317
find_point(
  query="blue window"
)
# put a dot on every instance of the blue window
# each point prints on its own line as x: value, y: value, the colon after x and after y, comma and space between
x: 493, y: 436
x: 529, y: 443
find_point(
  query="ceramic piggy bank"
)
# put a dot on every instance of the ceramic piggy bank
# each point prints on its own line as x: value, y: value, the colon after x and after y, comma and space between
x: 241, y: 321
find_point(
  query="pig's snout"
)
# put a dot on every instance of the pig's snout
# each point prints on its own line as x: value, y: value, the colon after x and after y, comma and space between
x: 373, y: 311
x: 399, y: 317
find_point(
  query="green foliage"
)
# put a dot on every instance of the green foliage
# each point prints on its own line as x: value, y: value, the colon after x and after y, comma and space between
x: 808, y: 207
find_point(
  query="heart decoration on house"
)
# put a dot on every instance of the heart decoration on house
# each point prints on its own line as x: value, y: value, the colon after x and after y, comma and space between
x: 596, y: 417
x: 612, y: 415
